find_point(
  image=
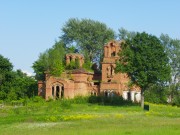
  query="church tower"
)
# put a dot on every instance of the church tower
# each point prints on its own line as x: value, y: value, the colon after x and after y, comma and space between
x: 112, y: 83
x: 111, y: 50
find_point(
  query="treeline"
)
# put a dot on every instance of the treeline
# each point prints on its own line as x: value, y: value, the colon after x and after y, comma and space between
x: 15, y: 85
x: 88, y: 37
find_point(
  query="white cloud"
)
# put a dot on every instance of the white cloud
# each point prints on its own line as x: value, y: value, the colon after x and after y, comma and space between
x: 28, y: 73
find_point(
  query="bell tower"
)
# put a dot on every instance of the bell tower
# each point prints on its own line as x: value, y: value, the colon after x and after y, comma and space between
x: 111, y: 50
x: 112, y: 83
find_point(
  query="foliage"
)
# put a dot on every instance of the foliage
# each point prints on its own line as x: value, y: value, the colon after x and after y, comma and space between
x: 56, y: 59
x: 144, y: 59
x: 156, y: 94
x: 77, y: 63
x: 41, y: 65
x: 51, y: 61
x: 87, y: 62
x: 125, y: 34
x: 114, y: 101
x: 6, y: 76
x: 73, y: 65
x: 88, y: 36
x: 52, y: 118
x: 15, y: 84
x: 172, y: 47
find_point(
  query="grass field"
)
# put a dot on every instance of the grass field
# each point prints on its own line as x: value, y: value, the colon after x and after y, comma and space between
x: 67, y: 118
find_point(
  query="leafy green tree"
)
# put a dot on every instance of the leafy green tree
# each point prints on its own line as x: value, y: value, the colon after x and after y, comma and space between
x: 156, y: 94
x: 172, y: 47
x: 6, y: 77
x: 23, y: 85
x: 88, y: 36
x: 56, y: 59
x: 87, y: 62
x: 52, y: 61
x: 15, y: 84
x: 125, y: 34
x: 41, y: 65
x: 144, y: 59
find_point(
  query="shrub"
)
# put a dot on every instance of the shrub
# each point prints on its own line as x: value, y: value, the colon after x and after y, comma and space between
x: 1, y: 101
x: 65, y: 103
x: 115, y: 100
x: 37, y: 99
x: 80, y: 100
x: 176, y: 100
x: 156, y: 94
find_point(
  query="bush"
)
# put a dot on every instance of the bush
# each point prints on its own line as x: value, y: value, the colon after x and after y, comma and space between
x: 95, y: 99
x: 176, y: 100
x: 156, y: 94
x: 1, y: 101
x: 116, y: 100
x: 65, y: 103
x: 17, y: 103
x: 80, y: 100
x: 38, y: 99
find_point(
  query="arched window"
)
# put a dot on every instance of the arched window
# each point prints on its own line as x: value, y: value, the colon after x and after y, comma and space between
x: 57, y: 91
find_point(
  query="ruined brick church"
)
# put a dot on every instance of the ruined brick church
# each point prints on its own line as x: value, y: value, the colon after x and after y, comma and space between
x: 82, y: 83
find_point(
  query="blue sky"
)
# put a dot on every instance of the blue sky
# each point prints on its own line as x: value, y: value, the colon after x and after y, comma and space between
x: 29, y: 27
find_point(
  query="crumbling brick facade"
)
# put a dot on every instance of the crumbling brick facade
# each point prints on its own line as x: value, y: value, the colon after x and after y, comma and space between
x: 82, y: 83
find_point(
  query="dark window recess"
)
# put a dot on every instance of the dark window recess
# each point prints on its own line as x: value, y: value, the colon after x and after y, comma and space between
x: 113, y: 54
x: 129, y: 95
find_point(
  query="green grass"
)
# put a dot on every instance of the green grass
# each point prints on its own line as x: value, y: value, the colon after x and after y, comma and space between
x: 69, y: 118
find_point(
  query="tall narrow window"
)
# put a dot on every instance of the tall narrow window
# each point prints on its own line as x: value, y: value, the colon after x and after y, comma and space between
x: 62, y: 91
x: 129, y: 95
x: 106, y: 94
x: 57, y: 91
x: 112, y: 70
x: 53, y: 91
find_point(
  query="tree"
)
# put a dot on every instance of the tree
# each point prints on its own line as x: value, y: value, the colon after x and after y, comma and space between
x: 52, y: 61
x: 56, y: 59
x: 144, y: 59
x: 125, y: 34
x: 15, y: 84
x: 24, y: 85
x: 172, y: 47
x: 41, y: 65
x: 88, y: 36
x: 156, y: 94
x: 6, y: 77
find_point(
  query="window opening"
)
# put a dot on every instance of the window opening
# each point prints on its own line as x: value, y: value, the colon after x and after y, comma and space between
x: 129, y: 95
x: 113, y: 54
x: 106, y: 94
x: 57, y: 91
x: 62, y: 91
x: 53, y: 91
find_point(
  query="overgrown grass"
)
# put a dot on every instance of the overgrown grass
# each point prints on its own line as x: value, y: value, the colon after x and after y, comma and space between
x: 78, y: 116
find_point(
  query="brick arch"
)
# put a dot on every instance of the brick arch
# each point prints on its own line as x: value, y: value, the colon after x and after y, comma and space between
x: 58, y: 88
x: 110, y: 70
x: 73, y: 56
x: 59, y: 82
